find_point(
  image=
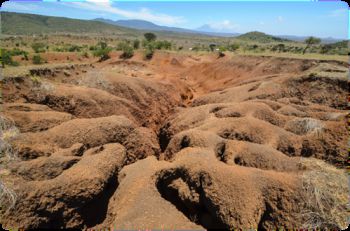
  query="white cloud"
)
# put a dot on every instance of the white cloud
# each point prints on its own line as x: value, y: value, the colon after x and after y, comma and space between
x: 342, y: 12
x: 280, y: 19
x: 224, y: 25
x: 106, y: 6
x: 18, y: 6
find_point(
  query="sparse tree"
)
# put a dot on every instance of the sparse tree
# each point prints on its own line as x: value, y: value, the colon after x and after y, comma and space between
x: 150, y: 37
x: 311, y: 41
x: 212, y: 47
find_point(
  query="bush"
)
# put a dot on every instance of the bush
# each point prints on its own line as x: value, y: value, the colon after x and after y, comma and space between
x: 37, y: 59
x: 128, y: 52
x: 232, y: 47
x: 136, y: 44
x: 38, y: 47
x: 221, y: 52
x: 6, y: 58
x: 74, y: 48
x: 16, y: 51
x: 149, y: 51
x: 121, y: 45
x: 279, y: 47
x: 159, y: 45
x: 102, y: 50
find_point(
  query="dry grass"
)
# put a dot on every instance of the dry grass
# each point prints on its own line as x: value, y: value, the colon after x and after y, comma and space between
x: 94, y: 79
x: 8, y: 132
x: 326, y: 191
x: 7, y: 198
x: 303, y: 126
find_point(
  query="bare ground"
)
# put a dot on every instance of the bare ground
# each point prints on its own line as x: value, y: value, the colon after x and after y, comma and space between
x: 179, y: 142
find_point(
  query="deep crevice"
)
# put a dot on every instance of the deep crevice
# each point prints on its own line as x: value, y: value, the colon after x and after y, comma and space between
x: 188, y: 196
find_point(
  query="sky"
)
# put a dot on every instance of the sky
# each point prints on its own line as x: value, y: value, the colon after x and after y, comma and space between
x: 301, y: 17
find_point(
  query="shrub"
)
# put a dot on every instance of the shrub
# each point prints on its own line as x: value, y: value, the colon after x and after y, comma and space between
x: 6, y: 58
x: 121, y: 45
x: 17, y: 51
x: 128, y: 52
x: 136, y: 44
x: 37, y: 59
x: 159, y: 45
x: 38, y: 47
x: 221, y: 52
x: 149, y: 51
x: 102, y: 51
x: 232, y: 47
x: 279, y: 47
x: 74, y: 48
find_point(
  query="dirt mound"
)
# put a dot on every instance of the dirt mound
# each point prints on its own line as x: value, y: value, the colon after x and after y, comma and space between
x: 178, y: 142
x: 84, y: 188
x: 139, y: 142
x: 34, y: 121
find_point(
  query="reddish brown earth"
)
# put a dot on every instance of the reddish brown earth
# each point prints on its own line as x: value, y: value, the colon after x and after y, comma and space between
x: 178, y: 142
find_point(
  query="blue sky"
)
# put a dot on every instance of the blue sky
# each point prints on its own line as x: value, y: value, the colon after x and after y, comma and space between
x: 301, y: 18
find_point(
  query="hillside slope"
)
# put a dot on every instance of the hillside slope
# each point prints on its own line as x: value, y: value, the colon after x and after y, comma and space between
x: 17, y: 23
x: 261, y: 37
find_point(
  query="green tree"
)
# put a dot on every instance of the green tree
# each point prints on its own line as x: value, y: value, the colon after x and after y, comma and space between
x: 212, y: 47
x: 311, y: 41
x: 150, y: 37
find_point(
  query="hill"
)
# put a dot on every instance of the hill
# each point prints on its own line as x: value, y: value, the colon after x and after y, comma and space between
x: 260, y: 37
x: 143, y: 25
x: 149, y: 26
x: 18, y: 23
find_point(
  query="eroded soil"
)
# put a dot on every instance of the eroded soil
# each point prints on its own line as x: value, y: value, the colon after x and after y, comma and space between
x: 178, y: 142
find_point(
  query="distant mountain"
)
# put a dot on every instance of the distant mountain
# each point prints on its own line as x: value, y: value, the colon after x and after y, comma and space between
x: 18, y: 23
x: 143, y: 25
x: 302, y: 38
x: 261, y: 37
x: 149, y: 26
x: 207, y: 29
